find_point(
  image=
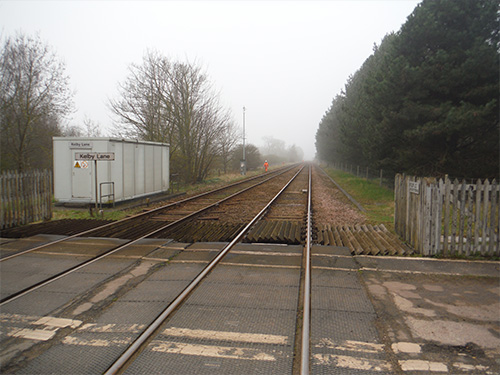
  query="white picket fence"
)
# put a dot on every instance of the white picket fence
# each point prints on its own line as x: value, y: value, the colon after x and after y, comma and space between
x: 448, y: 217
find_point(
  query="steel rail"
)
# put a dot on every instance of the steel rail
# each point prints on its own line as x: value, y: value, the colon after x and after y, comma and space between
x: 149, y: 331
x: 115, y: 223
x: 306, y: 322
x: 60, y: 275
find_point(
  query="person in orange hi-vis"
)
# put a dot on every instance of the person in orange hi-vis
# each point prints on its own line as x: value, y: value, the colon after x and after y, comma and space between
x: 266, y: 164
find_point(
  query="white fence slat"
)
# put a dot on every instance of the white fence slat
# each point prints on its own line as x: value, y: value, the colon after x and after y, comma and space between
x: 469, y: 216
x: 479, y: 188
x: 455, y: 216
x: 494, y: 217
x: 461, y: 219
x: 484, y: 224
x: 448, y: 217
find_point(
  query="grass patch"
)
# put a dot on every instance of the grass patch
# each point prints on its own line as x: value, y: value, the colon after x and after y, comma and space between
x: 377, y: 200
x: 59, y: 213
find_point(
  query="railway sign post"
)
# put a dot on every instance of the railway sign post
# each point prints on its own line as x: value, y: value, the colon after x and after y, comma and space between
x: 414, y: 187
x: 95, y: 156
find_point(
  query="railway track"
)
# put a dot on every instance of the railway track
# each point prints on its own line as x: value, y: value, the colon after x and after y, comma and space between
x: 145, y: 337
x: 256, y: 204
x: 193, y: 310
x: 146, y: 223
x: 284, y: 225
x: 153, y: 223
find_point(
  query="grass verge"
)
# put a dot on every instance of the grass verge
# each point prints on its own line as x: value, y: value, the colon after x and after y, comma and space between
x: 59, y: 213
x: 377, y: 200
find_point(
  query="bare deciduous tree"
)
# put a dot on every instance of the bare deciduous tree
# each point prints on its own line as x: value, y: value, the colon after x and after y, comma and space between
x: 228, y: 140
x: 92, y: 128
x: 173, y: 102
x: 34, y: 95
x: 141, y: 110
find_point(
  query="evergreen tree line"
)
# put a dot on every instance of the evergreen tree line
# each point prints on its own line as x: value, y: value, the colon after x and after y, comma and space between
x: 426, y: 102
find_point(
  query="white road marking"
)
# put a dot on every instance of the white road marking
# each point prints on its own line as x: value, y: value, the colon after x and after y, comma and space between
x: 227, y: 336
x: 163, y: 260
x: 351, y: 345
x: 82, y: 255
x: 466, y: 367
x: 58, y: 322
x: 332, y: 256
x: 266, y: 253
x: 71, y: 340
x: 236, y: 264
x: 410, y: 272
x: 32, y: 334
x: 423, y: 260
x: 4, y: 317
x: 352, y: 362
x: 406, y: 347
x: 52, y: 324
x: 335, y: 269
x: 385, y: 270
x: 421, y: 365
x: 214, y: 351
x: 257, y: 265
x: 112, y: 328
x: 211, y: 351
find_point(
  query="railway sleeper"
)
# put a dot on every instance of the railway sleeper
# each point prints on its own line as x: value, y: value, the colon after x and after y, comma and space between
x: 361, y: 239
x: 61, y: 227
x: 274, y: 232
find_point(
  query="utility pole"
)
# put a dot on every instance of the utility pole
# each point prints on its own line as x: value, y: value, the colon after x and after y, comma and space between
x: 243, y: 164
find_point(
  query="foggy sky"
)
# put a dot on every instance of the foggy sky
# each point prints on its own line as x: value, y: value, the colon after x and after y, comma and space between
x: 283, y: 60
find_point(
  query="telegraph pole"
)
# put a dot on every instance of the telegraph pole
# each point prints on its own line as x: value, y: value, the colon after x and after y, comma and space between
x: 244, y: 161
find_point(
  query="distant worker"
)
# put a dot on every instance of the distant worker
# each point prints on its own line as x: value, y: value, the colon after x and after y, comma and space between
x: 266, y: 164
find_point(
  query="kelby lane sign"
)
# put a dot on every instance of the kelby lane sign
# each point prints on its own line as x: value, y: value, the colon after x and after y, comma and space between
x: 97, y: 156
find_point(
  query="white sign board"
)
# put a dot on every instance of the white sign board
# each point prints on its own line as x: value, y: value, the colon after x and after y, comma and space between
x: 100, y: 156
x: 414, y: 187
x: 80, y: 145
x: 109, y: 156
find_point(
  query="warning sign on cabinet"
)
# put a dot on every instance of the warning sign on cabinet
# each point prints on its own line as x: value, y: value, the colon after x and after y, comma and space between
x: 81, y: 164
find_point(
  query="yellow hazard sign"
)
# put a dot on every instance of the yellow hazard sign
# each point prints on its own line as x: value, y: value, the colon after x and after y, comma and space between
x: 81, y: 164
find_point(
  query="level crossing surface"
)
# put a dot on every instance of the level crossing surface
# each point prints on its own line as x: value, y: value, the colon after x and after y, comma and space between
x: 370, y: 315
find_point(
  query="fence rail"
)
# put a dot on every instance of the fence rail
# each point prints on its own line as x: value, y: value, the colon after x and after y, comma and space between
x: 25, y: 197
x: 384, y: 178
x: 448, y: 217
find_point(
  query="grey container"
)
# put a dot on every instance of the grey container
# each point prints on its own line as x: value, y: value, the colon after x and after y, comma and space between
x: 139, y: 169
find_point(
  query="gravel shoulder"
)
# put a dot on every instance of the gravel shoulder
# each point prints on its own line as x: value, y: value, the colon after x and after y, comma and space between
x: 331, y: 206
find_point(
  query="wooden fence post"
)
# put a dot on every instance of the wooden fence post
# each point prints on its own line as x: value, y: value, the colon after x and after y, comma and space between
x: 484, y: 224
x: 469, y: 210
x: 25, y: 197
x: 477, y: 217
x: 461, y: 218
x: 446, y: 221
